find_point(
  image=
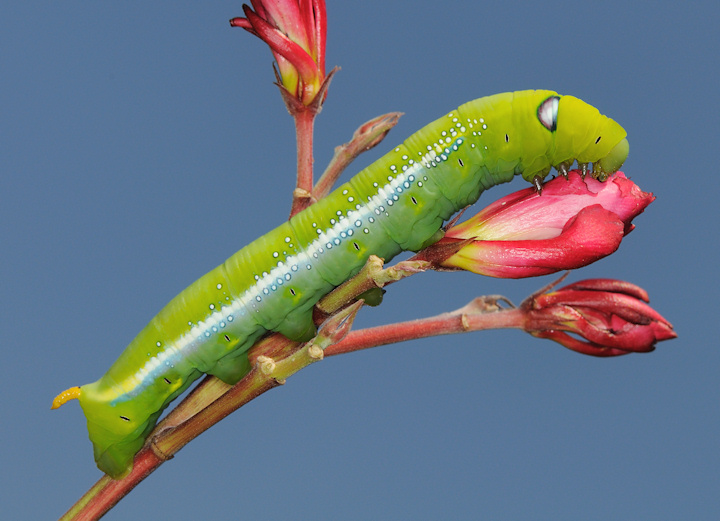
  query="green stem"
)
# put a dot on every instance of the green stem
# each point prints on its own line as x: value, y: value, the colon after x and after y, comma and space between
x: 371, y: 276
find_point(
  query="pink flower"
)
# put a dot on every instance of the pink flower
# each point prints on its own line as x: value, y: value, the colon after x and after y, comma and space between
x: 525, y: 234
x: 611, y: 315
x: 295, y: 30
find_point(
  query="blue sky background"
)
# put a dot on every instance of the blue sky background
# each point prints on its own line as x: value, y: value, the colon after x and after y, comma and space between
x: 142, y: 143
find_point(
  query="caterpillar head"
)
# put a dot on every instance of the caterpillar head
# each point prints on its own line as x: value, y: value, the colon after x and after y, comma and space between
x: 582, y: 134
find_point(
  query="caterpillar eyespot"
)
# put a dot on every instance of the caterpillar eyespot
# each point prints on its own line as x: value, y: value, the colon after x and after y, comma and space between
x: 315, y: 251
x: 547, y: 113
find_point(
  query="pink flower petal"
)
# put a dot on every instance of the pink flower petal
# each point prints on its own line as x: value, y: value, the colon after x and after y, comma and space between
x: 282, y: 45
x: 589, y: 236
x: 527, y: 215
x: 610, y: 285
x: 585, y: 348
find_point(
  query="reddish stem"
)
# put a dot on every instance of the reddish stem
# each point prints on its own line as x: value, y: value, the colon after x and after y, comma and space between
x: 366, y: 137
x: 106, y: 493
x: 304, y: 123
x: 446, y: 324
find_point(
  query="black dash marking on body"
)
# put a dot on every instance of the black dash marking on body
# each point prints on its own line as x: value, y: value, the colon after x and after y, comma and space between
x: 412, y: 198
x: 460, y: 162
x: 227, y: 338
x: 598, y: 140
x: 125, y: 418
x: 167, y: 381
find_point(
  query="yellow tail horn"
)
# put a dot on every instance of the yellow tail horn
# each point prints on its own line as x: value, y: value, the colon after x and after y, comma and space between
x: 70, y: 394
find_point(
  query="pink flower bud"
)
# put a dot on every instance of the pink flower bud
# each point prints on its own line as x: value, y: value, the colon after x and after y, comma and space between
x: 572, y: 224
x: 296, y: 31
x: 612, y: 316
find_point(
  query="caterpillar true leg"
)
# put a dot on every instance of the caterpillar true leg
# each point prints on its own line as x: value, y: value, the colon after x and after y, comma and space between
x: 538, y: 182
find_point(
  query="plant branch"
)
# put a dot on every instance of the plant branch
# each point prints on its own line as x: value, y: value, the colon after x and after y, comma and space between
x: 302, y: 195
x: 304, y: 116
x: 190, y: 419
x: 481, y: 314
x: 367, y: 136
x: 181, y: 427
x: 371, y: 276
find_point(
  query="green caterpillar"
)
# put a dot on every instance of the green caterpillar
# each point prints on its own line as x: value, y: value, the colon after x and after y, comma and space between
x: 398, y: 203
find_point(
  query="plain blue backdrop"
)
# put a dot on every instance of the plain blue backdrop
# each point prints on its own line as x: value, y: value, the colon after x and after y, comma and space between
x: 142, y: 143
